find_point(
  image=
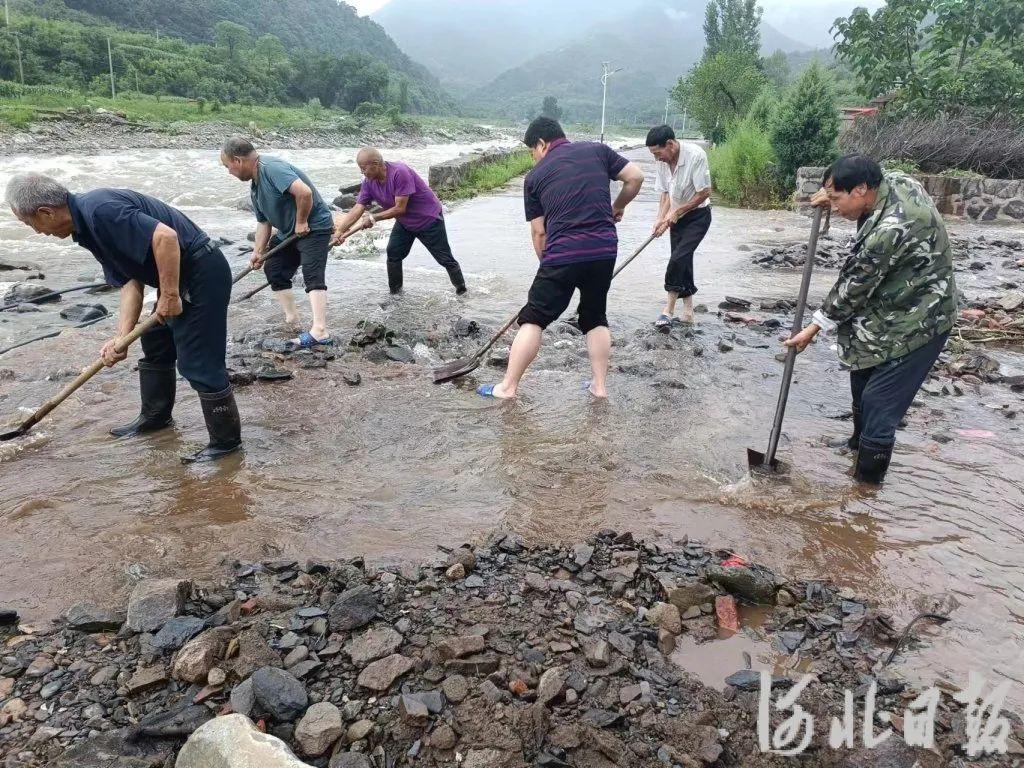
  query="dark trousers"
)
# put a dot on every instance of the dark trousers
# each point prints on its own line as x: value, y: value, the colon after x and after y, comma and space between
x: 197, y: 338
x: 553, y: 287
x: 884, y: 393
x: 435, y: 239
x: 684, y: 236
x: 309, y: 252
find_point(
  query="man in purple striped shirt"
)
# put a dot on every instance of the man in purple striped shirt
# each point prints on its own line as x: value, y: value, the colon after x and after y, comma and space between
x: 572, y: 224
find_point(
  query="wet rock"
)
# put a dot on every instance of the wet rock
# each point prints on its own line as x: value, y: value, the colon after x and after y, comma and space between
x: 360, y: 730
x: 599, y: 654
x: 350, y: 760
x: 665, y: 616
x: 253, y: 653
x: 686, y: 594
x: 413, y: 711
x: 243, y: 699
x: 146, y: 678
x: 270, y: 373
x: 725, y: 345
x: 174, y: 724
x: 112, y: 750
x: 83, y: 313
x: 195, y: 660
x: 456, y: 572
x: 458, y: 647
x: 344, y: 201
x: 24, y: 309
x: 353, y: 379
x: 456, y: 688
x: 319, y: 728
x: 372, y: 645
x: 279, y: 694
x: 380, y: 675
x: 757, y: 585
x: 29, y: 293
x: 355, y: 608
x: 443, y: 738
x: 83, y: 617
x: 177, y: 631
x: 892, y: 753
x: 154, y: 601
x: 399, y: 354
x: 233, y: 741
x: 7, y: 265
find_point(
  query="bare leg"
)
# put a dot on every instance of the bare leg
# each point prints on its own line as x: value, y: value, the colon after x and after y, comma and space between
x: 287, y: 301
x: 524, y: 351
x: 318, y: 303
x: 688, y: 309
x: 670, y: 303
x: 599, y: 348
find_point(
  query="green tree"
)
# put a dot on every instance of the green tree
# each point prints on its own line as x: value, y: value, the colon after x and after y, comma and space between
x: 776, y: 69
x: 806, y: 125
x: 550, y: 108
x: 732, y: 26
x: 232, y: 37
x: 363, y: 79
x: 719, y: 91
x: 762, y: 112
x: 931, y: 53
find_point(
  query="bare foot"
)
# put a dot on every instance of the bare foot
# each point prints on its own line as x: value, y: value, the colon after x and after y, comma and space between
x: 501, y: 393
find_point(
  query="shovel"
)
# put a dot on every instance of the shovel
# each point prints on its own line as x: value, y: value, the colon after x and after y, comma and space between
x: 766, y: 462
x: 286, y: 242
x: 150, y: 322
x: 458, y: 368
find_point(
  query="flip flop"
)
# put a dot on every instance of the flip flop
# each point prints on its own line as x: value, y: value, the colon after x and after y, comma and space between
x: 486, y: 390
x: 307, y: 340
x: 663, y: 321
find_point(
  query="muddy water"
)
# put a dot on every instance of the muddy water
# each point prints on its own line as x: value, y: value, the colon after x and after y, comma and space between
x: 398, y: 465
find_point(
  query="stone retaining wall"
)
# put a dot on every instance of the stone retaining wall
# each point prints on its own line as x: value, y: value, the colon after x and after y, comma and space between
x: 978, y: 199
x: 452, y: 173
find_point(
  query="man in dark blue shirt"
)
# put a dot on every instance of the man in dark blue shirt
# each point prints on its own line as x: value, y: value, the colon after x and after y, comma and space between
x: 141, y: 241
x: 283, y: 198
x: 572, y: 224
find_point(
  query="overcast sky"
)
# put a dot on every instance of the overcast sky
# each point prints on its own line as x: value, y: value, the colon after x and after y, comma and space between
x: 774, y: 9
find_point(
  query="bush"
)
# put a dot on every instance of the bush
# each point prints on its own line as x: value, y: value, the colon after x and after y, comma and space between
x: 370, y: 109
x: 903, y: 166
x: 806, y: 125
x: 743, y: 170
x: 993, y: 148
x: 17, y: 117
x: 764, y: 109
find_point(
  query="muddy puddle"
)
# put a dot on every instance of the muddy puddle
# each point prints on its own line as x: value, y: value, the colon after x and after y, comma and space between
x: 396, y: 465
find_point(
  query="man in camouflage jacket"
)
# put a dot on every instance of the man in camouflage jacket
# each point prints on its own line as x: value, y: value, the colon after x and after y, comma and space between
x: 893, y: 304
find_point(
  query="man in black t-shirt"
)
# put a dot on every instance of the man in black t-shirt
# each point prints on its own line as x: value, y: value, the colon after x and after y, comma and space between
x: 141, y: 241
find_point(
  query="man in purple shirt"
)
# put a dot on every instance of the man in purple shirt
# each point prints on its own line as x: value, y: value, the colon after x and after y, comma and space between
x: 572, y: 224
x: 406, y: 198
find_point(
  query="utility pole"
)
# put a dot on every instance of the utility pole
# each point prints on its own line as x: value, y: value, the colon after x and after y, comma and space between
x: 21, y: 68
x: 685, y: 109
x: 666, y: 110
x: 110, y: 60
x: 605, y: 74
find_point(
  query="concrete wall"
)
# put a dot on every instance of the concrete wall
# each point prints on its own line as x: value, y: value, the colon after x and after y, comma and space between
x: 978, y: 199
x: 451, y: 173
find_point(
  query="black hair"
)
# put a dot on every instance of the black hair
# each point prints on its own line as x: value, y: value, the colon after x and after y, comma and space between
x: 542, y: 129
x: 850, y: 171
x: 660, y: 135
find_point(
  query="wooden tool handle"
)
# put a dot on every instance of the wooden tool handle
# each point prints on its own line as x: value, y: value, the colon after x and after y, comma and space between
x: 271, y: 252
x: 122, y: 345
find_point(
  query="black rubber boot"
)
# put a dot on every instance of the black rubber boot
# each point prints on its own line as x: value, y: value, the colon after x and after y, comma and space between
x: 853, y: 442
x: 455, y: 273
x: 395, y: 276
x: 872, y: 464
x: 222, y: 422
x: 157, y: 384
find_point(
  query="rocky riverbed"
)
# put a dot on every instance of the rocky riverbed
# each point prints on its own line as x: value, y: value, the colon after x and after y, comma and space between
x: 488, y: 656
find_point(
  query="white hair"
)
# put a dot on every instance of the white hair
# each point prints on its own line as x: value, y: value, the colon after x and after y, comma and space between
x: 28, y: 192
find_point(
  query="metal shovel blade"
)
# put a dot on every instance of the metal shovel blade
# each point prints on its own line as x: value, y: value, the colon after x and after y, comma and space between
x: 456, y: 368
x: 755, y: 460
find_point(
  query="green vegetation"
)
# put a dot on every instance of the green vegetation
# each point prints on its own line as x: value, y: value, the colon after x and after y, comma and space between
x: 719, y: 91
x: 743, y: 168
x: 550, y: 108
x: 951, y: 57
x: 488, y: 176
x: 805, y: 127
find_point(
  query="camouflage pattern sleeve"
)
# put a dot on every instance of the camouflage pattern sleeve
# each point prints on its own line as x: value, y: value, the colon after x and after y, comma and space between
x: 862, y: 274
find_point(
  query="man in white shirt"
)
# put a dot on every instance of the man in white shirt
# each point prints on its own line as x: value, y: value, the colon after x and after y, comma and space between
x: 684, y: 181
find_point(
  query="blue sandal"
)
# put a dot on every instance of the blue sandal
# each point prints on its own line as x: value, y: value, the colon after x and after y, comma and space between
x: 307, y: 340
x: 486, y: 390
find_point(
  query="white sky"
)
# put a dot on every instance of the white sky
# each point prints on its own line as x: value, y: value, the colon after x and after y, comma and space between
x: 771, y: 7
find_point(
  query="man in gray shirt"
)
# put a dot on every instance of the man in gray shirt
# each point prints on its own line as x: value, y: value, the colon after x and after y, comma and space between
x: 283, y: 198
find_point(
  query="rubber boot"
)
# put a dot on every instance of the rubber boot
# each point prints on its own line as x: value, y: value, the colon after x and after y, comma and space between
x: 852, y: 442
x: 872, y: 464
x: 222, y: 422
x: 455, y: 273
x: 395, y: 276
x: 157, y: 385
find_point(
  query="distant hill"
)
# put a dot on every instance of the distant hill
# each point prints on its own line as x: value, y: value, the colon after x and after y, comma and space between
x: 323, y: 25
x: 654, y: 44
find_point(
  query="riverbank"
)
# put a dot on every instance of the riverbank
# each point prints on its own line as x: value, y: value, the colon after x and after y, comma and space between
x: 496, y: 655
x: 103, y: 125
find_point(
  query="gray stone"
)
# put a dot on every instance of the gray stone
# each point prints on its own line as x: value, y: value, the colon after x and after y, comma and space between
x: 253, y: 653
x: 146, y: 678
x: 412, y: 710
x: 319, y: 728
x: 1014, y: 209
x: 372, y: 645
x: 599, y: 654
x: 552, y: 685
x: 28, y: 293
x: 83, y: 313
x: 83, y: 617
x: 195, y: 660
x: 459, y: 647
x: 177, y: 631
x: 359, y: 730
x: 279, y: 694
x: 757, y: 585
x: 686, y: 594
x: 243, y: 700
x: 233, y: 741
x: 456, y: 688
x: 443, y: 738
x: 380, y: 675
x: 350, y: 760
x: 353, y: 609
x: 665, y: 616
x: 154, y: 601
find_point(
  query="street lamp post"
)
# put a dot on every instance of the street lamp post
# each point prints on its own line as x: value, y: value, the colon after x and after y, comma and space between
x: 606, y: 73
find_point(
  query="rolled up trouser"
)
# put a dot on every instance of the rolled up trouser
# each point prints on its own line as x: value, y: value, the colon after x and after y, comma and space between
x: 684, y: 237
x: 310, y: 253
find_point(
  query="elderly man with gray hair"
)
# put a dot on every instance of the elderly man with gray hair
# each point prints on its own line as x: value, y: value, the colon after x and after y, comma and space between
x: 283, y: 198
x: 141, y: 241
